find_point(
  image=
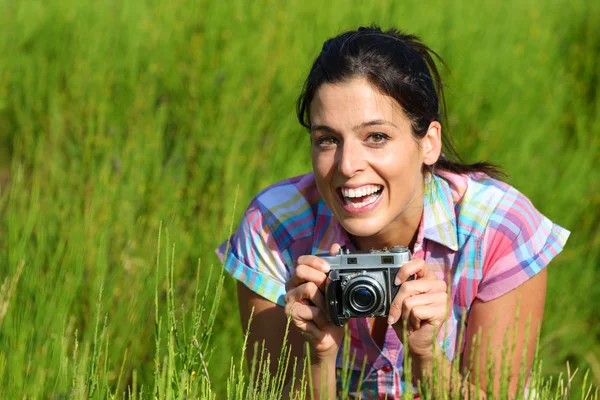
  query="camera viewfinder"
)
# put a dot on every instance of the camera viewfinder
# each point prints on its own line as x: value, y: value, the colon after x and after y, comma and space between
x: 387, y: 259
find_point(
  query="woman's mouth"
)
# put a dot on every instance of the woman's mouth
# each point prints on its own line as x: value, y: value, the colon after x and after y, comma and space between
x: 360, y: 199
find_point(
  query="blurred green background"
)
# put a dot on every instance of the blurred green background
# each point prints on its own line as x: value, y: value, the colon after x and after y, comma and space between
x: 118, y: 116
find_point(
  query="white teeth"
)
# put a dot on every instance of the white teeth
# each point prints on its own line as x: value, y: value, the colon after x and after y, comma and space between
x: 360, y: 192
x: 368, y: 194
x: 369, y: 200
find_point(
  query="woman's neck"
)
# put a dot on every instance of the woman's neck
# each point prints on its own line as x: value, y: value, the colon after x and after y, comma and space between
x: 401, y: 232
x: 394, y: 235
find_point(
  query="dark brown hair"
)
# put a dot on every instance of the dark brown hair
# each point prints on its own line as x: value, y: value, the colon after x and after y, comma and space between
x: 401, y: 67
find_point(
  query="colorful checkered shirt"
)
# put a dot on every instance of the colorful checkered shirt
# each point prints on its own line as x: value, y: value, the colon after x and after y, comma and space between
x: 480, y: 235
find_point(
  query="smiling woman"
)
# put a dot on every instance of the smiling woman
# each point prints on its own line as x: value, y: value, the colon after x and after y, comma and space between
x: 362, y: 139
x: 385, y: 174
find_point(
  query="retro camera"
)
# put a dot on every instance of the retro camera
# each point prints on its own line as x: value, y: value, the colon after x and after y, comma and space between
x: 361, y: 284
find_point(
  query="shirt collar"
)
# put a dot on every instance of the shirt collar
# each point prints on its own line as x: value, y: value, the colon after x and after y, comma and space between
x: 439, y: 217
x: 437, y: 224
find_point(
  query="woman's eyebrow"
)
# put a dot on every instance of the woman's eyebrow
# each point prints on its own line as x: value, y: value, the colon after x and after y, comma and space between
x: 374, y: 122
x: 314, y: 128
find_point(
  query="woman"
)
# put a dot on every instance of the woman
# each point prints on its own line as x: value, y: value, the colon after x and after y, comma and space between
x: 385, y: 174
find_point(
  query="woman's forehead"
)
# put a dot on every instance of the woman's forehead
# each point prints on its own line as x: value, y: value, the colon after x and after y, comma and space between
x: 353, y: 103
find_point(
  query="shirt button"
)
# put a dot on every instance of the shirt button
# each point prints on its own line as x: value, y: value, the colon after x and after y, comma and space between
x: 386, y: 368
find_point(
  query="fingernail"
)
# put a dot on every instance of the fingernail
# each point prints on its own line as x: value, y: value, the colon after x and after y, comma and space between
x: 397, y: 280
x: 391, y: 320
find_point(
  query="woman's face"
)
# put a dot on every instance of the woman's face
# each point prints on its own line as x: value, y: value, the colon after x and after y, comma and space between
x: 366, y: 162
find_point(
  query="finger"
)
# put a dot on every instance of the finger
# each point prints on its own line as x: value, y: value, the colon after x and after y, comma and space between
x: 293, y: 282
x: 335, y: 249
x: 432, y: 300
x: 417, y: 267
x: 308, y: 291
x: 303, y: 273
x: 315, y: 262
x: 310, y: 313
x: 421, y: 314
x: 289, y: 305
x: 413, y: 288
x: 309, y: 330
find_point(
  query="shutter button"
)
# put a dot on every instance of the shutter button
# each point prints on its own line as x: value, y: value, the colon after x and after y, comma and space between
x: 386, y: 368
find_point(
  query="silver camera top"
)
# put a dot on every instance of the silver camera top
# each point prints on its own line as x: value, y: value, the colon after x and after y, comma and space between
x: 396, y: 255
x: 361, y: 284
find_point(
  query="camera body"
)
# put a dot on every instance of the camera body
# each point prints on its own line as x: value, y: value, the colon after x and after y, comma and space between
x: 361, y: 284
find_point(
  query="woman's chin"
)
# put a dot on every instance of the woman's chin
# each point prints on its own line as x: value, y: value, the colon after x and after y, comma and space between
x: 360, y: 228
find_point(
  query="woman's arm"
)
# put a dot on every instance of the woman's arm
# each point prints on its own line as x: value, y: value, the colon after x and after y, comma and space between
x: 321, y: 378
x: 495, y: 325
x: 268, y: 324
x: 498, y: 318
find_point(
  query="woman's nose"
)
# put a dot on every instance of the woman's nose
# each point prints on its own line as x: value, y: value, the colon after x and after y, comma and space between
x: 350, y: 159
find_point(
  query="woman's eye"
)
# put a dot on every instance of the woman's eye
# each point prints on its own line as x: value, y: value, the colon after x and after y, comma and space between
x: 378, y: 138
x: 326, y: 141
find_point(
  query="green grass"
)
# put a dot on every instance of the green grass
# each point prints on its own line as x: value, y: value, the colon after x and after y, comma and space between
x: 117, y: 117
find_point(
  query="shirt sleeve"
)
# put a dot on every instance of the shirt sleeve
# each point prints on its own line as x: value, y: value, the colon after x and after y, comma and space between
x: 517, y: 244
x: 251, y: 256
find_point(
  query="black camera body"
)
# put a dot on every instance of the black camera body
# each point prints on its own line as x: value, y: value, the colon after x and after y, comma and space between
x: 361, y: 284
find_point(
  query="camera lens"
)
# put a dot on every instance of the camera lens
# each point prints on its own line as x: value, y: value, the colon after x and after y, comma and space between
x: 364, y: 296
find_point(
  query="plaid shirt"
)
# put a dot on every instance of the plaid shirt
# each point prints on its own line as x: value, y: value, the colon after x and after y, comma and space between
x: 480, y: 235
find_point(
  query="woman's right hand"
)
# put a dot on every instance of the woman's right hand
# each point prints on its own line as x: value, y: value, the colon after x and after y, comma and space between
x: 305, y: 302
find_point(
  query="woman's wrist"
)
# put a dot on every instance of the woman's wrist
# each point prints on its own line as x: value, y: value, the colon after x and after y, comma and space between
x: 322, y: 373
x: 322, y: 358
x: 422, y: 363
x: 449, y: 382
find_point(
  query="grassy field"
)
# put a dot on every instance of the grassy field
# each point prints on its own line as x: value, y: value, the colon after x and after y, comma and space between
x: 120, y: 119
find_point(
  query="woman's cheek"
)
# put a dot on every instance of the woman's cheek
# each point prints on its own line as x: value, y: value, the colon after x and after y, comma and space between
x: 319, y: 162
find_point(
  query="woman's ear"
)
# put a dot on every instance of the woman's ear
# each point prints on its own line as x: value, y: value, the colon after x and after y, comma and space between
x: 431, y: 143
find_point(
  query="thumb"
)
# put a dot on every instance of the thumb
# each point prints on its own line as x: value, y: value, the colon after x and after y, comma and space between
x: 335, y: 249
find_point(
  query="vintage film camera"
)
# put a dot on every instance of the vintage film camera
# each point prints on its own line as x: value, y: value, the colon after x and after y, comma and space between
x: 361, y: 284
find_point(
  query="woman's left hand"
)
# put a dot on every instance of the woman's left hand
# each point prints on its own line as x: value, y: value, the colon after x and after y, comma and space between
x: 423, y: 304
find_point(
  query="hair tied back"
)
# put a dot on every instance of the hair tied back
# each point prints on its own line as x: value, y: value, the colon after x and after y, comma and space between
x: 369, y: 29
x: 400, y: 66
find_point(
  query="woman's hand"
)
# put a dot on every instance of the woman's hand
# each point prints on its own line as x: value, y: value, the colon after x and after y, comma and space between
x: 422, y: 304
x: 305, y: 301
